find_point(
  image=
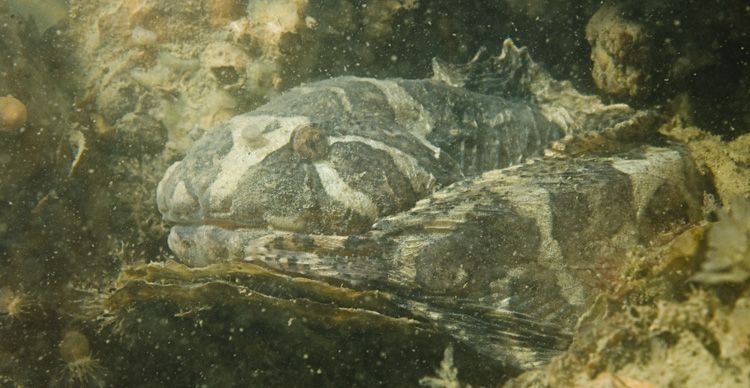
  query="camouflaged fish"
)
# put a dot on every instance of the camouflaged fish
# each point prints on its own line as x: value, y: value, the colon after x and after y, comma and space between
x: 420, y: 188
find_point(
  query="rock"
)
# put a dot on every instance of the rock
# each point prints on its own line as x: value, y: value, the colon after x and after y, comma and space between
x: 620, y: 52
x: 13, y: 114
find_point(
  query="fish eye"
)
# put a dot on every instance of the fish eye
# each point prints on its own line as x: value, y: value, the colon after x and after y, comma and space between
x: 310, y: 143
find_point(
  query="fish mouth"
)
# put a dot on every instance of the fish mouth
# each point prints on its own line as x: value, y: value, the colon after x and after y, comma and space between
x: 226, y: 224
x: 208, y: 241
x: 199, y: 245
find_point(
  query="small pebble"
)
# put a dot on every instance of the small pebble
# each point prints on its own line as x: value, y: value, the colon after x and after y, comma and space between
x: 13, y: 114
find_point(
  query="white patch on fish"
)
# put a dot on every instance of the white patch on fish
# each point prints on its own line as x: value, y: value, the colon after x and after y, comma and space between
x: 250, y: 146
x: 421, y: 181
x: 339, y: 191
x: 409, y: 113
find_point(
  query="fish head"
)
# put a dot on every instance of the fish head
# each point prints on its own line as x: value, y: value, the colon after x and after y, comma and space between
x: 293, y: 173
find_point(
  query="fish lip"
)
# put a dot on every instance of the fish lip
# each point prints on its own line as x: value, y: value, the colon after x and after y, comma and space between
x: 231, y: 225
x: 199, y: 245
x: 222, y: 223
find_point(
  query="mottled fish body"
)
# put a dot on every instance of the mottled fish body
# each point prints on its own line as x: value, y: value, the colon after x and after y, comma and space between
x: 334, y: 156
x: 465, y: 232
x: 537, y: 240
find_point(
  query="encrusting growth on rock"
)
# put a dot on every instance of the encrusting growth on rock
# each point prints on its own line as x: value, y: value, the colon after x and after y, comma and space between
x: 81, y: 368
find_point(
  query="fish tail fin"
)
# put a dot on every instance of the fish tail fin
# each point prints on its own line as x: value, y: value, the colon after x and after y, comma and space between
x: 502, y: 334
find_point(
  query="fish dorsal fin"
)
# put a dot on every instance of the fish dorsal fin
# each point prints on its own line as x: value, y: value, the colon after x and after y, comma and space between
x: 513, y: 74
x: 508, y: 74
